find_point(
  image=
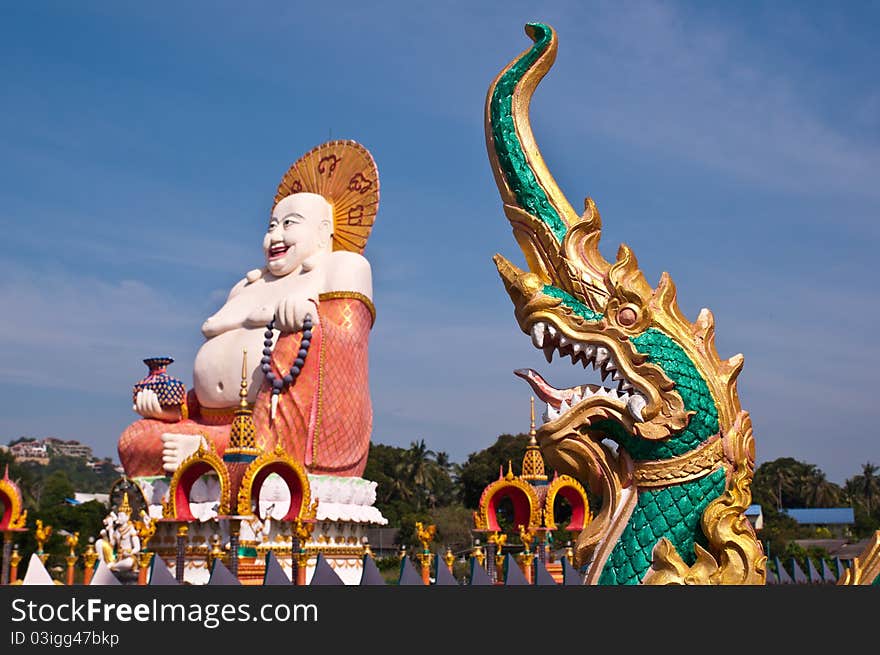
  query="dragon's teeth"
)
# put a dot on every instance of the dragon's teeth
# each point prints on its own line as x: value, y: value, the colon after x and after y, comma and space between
x: 576, y: 347
x: 625, y: 385
x: 589, y: 352
x: 563, y: 340
x: 610, y: 365
x: 551, y: 330
x: 601, y: 355
x: 538, y: 331
x: 548, y: 352
x: 616, y: 375
x: 564, y: 407
x: 635, y: 405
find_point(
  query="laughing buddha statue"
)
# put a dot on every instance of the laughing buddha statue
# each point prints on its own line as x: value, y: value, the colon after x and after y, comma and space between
x: 308, y: 311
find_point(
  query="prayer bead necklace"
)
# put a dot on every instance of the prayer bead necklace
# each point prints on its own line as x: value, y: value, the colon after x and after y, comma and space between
x: 280, y: 384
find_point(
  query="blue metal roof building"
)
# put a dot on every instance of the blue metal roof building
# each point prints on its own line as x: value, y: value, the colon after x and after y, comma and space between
x: 823, y: 515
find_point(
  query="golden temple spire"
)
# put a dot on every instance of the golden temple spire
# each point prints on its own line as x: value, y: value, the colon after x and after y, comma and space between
x: 126, y: 505
x: 243, y: 433
x: 243, y: 391
x: 533, y: 463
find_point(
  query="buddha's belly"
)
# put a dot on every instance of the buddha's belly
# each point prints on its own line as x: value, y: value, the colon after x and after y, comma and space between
x: 217, y: 367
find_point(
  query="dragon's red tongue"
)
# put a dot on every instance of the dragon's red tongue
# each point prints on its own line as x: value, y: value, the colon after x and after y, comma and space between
x: 541, y: 387
x: 550, y: 394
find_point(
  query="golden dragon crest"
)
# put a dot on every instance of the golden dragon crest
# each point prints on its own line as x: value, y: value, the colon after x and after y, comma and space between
x: 665, y: 444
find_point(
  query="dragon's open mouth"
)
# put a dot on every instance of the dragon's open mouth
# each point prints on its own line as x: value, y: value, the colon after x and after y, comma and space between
x: 621, y: 393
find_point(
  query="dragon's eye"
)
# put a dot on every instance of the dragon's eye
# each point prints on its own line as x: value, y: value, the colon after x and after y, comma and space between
x: 627, y: 316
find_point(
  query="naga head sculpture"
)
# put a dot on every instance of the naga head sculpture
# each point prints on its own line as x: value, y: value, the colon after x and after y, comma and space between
x: 666, y: 407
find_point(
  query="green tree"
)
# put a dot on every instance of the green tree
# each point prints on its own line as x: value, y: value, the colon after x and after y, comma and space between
x: 454, y: 523
x: 393, y: 495
x: 866, y: 486
x: 787, y: 482
x: 46, y: 490
x: 56, y: 490
x: 483, y: 467
x: 816, y: 490
x: 863, y: 490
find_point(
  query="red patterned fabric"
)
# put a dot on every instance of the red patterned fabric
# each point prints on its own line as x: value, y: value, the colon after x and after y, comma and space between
x: 324, y: 420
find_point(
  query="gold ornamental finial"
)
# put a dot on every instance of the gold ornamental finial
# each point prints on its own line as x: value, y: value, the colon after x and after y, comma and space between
x: 533, y: 463
x: 42, y: 534
x: 243, y: 392
x: 243, y: 433
x: 532, y: 420
x: 526, y: 536
x: 71, y: 541
x: 15, y: 558
x: 449, y: 558
x: 126, y: 505
x: 216, y: 551
x: 425, y: 534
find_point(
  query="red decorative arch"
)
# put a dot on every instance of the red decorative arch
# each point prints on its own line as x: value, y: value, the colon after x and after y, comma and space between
x: 7, y: 501
x: 204, y: 460
x: 288, y: 469
x: 572, y: 491
x: 526, y: 510
x: 13, y: 517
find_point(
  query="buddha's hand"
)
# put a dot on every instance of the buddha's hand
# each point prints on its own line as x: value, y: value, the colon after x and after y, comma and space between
x: 291, y: 311
x: 146, y: 403
x: 177, y: 447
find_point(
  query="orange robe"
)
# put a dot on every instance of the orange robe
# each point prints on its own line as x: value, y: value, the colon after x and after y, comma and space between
x: 323, y: 420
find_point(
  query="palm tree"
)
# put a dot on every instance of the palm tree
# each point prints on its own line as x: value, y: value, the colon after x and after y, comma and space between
x: 420, y: 457
x: 817, y: 491
x: 869, y: 484
x: 413, y: 474
x: 782, y: 479
x: 442, y: 459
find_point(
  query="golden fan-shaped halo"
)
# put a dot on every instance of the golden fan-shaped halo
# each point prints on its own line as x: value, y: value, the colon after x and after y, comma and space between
x: 346, y: 175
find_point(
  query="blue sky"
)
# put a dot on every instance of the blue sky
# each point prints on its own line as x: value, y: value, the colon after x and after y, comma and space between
x: 734, y: 145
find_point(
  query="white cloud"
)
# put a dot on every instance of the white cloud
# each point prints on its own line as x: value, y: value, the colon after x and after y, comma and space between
x: 649, y: 75
x: 66, y: 331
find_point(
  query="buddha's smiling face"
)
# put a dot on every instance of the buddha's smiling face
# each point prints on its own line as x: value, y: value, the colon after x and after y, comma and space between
x: 301, y: 226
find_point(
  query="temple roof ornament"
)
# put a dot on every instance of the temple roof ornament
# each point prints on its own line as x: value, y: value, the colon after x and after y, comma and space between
x: 533, y: 462
x: 530, y: 493
x: 243, y: 433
